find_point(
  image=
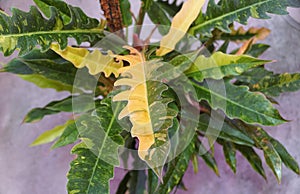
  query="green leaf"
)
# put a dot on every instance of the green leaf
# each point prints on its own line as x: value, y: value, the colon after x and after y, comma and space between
x: 69, y: 136
x: 286, y: 158
x: 49, y: 70
x: 230, y: 154
x: 239, y: 102
x: 126, y: 14
x: 147, y: 109
x: 252, y: 158
x: 64, y: 105
x: 88, y: 174
x: 176, y: 170
x: 51, y: 135
x: 274, y: 85
x: 253, y: 76
x: 208, y: 158
x: 101, y: 131
x: 152, y: 182
x: 26, y: 30
x: 61, y: 6
x: 123, y: 186
x: 38, y: 114
x: 257, y: 50
x: 221, y: 15
x: 170, y: 8
x: 43, y: 82
x: 226, y: 132
x: 158, y: 16
x: 220, y: 65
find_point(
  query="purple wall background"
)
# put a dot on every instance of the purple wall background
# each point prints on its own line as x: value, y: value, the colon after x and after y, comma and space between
x: 39, y: 170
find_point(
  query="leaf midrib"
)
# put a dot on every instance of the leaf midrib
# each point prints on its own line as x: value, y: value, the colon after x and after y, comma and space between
x: 81, y: 31
x: 232, y: 102
x: 104, y: 140
x: 225, y: 15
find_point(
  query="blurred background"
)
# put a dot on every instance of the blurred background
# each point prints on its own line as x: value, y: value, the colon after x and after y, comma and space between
x: 38, y: 170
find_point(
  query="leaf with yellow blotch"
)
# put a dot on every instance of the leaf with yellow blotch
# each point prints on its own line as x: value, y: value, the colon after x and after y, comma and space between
x: 148, y: 111
x: 95, y: 61
x: 180, y: 25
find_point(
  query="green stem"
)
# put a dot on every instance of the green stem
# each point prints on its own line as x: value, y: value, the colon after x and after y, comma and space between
x: 140, y: 20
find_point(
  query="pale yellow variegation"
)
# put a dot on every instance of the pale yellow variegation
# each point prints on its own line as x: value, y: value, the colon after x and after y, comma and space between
x: 137, y: 108
x: 95, y: 61
x: 180, y: 25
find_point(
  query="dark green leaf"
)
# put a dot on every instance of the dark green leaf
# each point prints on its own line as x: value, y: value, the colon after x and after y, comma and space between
x: 257, y: 49
x: 176, y: 170
x: 239, y: 102
x: 221, y: 15
x: 69, y: 136
x: 126, y: 14
x: 152, y: 182
x: 158, y: 16
x: 230, y: 154
x: 61, y: 6
x: 276, y: 84
x: 226, y: 132
x: 208, y: 158
x: 252, y: 158
x: 75, y: 104
x: 286, y: 158
x: 89, y: 174
x: 170, y: 8
x: 26, y: 30
x: 49, y: 70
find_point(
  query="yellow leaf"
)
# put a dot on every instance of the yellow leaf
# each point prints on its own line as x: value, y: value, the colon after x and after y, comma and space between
x: 137, y: 107
x: 180, y: 25
x: 95, y: 61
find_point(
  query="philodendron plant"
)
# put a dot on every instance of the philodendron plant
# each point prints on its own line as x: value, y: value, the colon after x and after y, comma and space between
x: 152, y: 98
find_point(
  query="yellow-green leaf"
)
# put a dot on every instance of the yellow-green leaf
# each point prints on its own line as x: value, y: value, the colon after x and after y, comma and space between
x: 95, y: 61
x: 51, y: 135
x: 180, y: 25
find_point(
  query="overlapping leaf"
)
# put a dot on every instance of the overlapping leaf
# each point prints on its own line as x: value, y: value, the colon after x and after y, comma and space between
x: 148, y: 111
x: 176, y: 170
x: 48, y: 70
x: 240, y: 103
x: 26, y: 30
x: 95, y: 61
x: 51, y: 135
x: 241, y: 34
x: 227, y: 11
x: 93, y: 168
x: 88, y: 174
x: 220, y: 65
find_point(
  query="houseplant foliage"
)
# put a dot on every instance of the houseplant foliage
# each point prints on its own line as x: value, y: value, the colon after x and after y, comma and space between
x: 129, y: 86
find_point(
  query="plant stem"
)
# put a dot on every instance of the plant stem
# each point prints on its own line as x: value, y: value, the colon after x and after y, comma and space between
x: 142, y: 12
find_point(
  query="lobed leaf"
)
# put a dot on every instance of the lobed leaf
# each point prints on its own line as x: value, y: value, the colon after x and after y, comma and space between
x: 95, y: 61
x: 88, y: 174
x: 148, y: 111
x: 26, y: 30
x: 240, y: 103
x: 221, y: 15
